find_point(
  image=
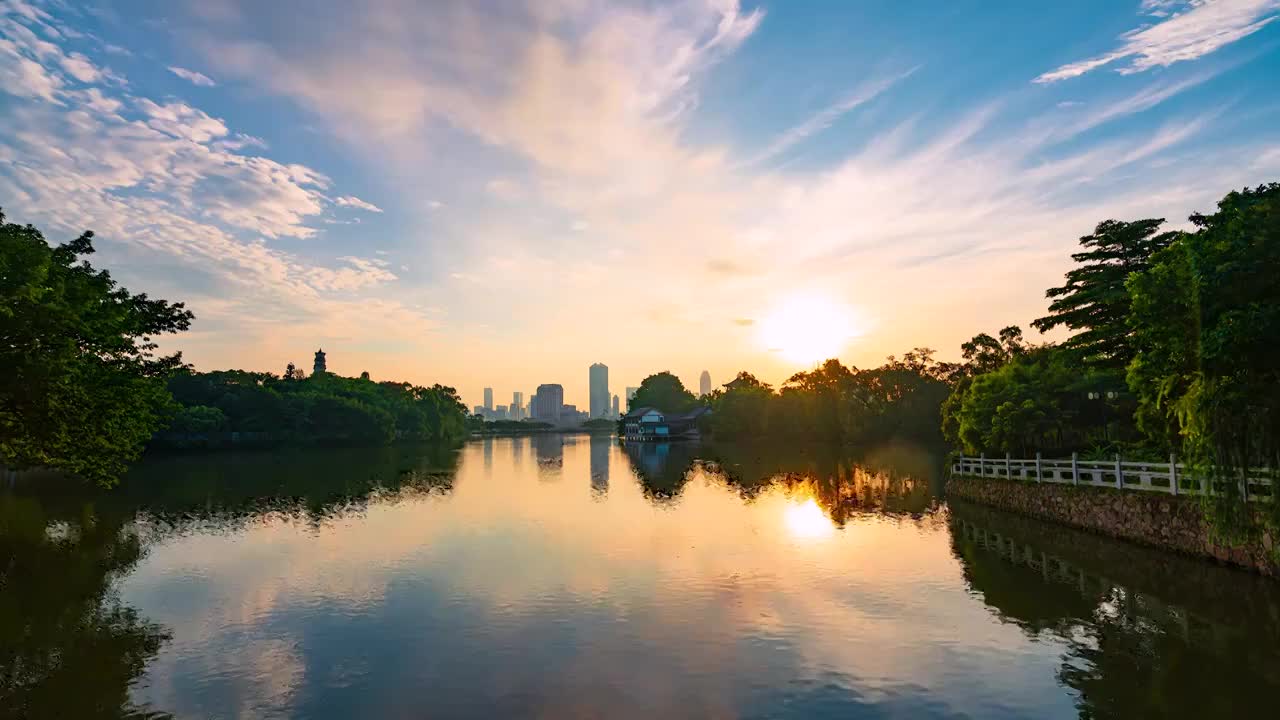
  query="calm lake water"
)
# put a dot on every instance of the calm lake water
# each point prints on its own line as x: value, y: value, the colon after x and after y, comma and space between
x: 570, y: 577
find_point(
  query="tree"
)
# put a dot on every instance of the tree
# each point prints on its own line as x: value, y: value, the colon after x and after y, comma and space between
x: 665, y: 392
x: 1205, y: 318
x: 742, y: 409
x: 82, y: 387
x: 984, y: 354
x: 1094, y: 302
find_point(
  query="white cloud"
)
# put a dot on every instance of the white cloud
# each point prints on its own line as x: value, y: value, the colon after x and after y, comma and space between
x: 168, y: 183
x: 193, y: 77
x: 1198, y: 28
x: 182, y: 121
x: 825, y: 118
x: 79, y: 67
x: 355, y: 202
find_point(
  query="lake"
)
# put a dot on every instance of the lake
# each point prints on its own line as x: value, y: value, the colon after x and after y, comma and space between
x: 571, y: 577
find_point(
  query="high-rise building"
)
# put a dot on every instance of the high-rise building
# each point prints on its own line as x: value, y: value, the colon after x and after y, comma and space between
x: 704, y: 383
x: 319, y: 367
x: 599, y: 386
x: 615, y: 408
x: 500, y: 413
x: 547, y: 402
x: 488, y: 398
x: 517, y: 405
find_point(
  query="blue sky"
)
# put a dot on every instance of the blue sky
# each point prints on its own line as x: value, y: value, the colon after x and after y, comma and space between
x: 501, y: 193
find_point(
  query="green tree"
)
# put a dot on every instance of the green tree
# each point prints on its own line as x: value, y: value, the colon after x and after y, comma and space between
x: 742, y: 409
x: 1205, y: 319
x: 1094, y: 302
x: 665, y: 392
x: 82, y: 387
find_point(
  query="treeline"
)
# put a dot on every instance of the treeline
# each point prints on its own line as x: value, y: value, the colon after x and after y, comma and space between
x: 83, y: 389
x: 1175, y: 348
x: 323, y: 409
x: 898, y: 400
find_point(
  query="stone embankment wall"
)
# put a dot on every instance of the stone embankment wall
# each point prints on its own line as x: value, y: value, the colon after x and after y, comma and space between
x: 1158, y: 520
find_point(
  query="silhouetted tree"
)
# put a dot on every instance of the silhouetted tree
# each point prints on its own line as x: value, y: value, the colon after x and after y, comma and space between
x: 665, y: 392
x: 1094, y: 302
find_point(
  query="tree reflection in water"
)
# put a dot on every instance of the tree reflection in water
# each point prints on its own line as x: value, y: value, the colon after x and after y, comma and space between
x: 68, y: 647
x: 896, y: 479
x: 1132, y: 651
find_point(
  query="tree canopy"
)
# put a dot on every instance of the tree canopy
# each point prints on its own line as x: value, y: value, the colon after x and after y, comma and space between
x: 1206, y: 322
x: 1094, y: 302
x: 665, y: 392
x: 83, y: 386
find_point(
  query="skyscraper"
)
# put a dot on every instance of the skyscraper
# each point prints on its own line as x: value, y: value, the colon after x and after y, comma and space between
x: 548, y: 401
x: 704, y: 383
x: 615, y: 406
x: 517, y: 405
x: 599, y: 382
x: 488, y: 398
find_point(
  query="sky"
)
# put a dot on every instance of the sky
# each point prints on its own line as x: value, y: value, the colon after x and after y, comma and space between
x: 498, y: 193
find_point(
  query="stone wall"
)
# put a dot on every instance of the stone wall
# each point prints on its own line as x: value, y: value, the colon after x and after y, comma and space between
x: 1155, y: 519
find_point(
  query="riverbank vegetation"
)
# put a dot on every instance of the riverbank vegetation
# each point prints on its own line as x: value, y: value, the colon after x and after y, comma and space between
x: 1173, y: 348
x: 84, y: 389
x: 272, y: 410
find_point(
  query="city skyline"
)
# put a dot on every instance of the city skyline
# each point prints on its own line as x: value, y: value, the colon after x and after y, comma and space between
x: 359, y: 177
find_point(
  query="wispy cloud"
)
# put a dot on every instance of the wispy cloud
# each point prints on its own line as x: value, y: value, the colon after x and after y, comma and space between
x: 827, y: 116
x: 1195, y: 29
x: 193, y: 77
x: 352, y: 201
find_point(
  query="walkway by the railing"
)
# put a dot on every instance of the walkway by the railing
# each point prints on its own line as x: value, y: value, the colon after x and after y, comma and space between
x: 1171, y: 477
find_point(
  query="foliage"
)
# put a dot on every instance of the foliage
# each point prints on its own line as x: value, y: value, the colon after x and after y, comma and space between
x: 1094, y: 302
x: 665, y: 392
x: 985, y: 354
x: 900, y: 399
x: 1206, y: 317
x: 323, y: 409
x: 82, y: 387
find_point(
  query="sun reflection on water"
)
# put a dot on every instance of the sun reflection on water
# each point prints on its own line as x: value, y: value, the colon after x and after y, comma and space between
x: 806, y: 520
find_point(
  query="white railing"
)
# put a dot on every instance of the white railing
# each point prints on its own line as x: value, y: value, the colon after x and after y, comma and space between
x: 1171, y: 477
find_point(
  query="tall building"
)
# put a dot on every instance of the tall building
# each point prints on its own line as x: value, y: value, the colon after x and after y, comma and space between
x: 599, y: 377
x: 704, y: 383
x: 319, y: 366
x: 517, y: 405
x: 488, y: 398
x: 547, y: 402
x: 615, y: 407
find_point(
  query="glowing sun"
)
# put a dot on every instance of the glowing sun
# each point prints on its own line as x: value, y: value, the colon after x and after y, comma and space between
x: 806, y: 328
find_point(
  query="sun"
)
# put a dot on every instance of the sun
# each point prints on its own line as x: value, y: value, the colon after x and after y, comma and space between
x: 806, y: 328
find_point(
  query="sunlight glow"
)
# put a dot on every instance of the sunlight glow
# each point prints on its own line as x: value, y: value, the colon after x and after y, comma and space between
x: 806, y: 328
x: 807, y: 521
